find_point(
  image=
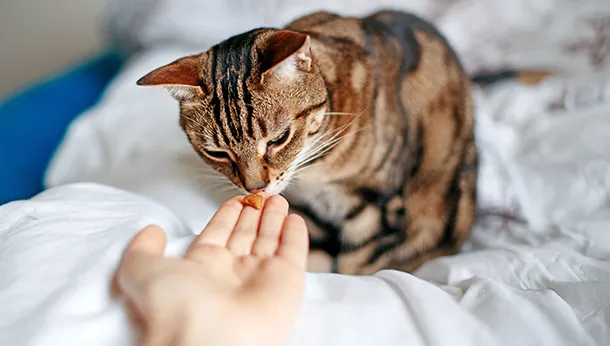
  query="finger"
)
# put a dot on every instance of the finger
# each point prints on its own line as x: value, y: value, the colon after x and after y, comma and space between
x: 294, y: 241
x: 268, y: 238
x: 149, y: 243
x: 151, y: 240
x: 218, y: 230
x: 244, y: 234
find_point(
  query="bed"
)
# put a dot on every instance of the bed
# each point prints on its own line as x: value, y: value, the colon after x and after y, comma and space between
x: 536, y: 270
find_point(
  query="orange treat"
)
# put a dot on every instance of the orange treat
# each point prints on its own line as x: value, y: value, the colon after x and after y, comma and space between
x: 255, y: 201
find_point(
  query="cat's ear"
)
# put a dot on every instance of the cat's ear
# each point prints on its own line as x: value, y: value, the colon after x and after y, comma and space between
x: 181, y: 77
x: 285, y: 55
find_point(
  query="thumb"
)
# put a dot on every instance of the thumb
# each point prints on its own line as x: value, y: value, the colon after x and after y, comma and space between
x: 151, y: 240
x: 137, y: 260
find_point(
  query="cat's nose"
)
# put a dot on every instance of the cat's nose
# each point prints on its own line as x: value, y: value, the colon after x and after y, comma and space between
x: 256, y: 188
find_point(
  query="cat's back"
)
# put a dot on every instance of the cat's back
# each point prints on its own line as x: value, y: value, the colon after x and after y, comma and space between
x: 413, y: 33
x: 379, y: 30
x: 400, y: 25
x: 394, y: 43
x: 329, y: 25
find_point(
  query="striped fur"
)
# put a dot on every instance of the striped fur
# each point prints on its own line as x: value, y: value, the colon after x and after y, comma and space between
x: 369, y: 121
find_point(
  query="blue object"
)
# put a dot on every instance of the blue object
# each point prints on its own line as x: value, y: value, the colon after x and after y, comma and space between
x: 33, y: 122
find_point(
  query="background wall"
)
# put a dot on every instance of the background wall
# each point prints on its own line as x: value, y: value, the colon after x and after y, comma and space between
x: 40, y: 37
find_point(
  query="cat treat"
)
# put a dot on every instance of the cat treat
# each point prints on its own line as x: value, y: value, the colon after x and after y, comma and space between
x: 255, y: 201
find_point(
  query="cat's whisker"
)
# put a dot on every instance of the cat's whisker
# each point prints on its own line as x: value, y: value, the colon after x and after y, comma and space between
x: 210, y: 177
x: 193, y: 120
x: 290, y: 187
x: 323, y: 149
x: 215, y: 187
x: 204, y: 171
x: 347, y: 113
x: 312, y: 156
x: 199, y: 179
x: 313, y: 145
x: 325, y: 144
x: 314, y: 152
x: 228, y: 189
x: 340, y: 129
x: 337, y: 113
x: 303, y: 168
x: 217, y: 184
x: 317, y: 154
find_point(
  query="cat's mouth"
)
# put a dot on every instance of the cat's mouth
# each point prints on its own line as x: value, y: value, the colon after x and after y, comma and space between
x: 278, y: 184
x: 276, y: 187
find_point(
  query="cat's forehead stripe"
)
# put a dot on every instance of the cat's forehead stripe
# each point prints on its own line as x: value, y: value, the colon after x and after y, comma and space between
x: 221, y: 95
x: 247, y: 96
x: 234, y: 57
x: 215, y: 101
x: 228, y: 76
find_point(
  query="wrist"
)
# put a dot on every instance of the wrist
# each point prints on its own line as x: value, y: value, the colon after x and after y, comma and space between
x: 198, y: 328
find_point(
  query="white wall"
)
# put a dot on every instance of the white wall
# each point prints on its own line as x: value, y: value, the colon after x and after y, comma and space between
x: 40, y: 37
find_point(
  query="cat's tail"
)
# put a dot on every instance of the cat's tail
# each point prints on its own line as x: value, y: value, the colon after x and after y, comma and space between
x: 527, y: 77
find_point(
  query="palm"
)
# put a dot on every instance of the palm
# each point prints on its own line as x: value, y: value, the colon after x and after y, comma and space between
x: 246, y: 265
x: 253, y: 252
x: 234, y: 271
x: 247, y: 268
x: 256, y: 261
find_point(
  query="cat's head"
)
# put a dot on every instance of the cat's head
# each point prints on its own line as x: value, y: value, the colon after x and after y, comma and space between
x: 250, y: 105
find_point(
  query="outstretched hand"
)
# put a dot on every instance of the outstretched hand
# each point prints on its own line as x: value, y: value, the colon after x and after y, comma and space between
x: 239, y: 283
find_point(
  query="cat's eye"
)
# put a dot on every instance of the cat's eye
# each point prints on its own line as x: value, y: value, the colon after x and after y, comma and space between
x: 281, y: 139
x: 218, y: 154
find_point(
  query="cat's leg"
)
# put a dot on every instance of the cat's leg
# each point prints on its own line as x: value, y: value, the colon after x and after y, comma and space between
x: 440, y: 214
x: 439, y: 196
x: 370, y: 235
x: 427, y: 235
x: 362, y: 237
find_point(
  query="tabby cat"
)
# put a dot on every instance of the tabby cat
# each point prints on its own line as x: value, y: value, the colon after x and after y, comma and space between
x: 367, y: 121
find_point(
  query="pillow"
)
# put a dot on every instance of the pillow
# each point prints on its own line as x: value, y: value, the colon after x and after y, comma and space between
x: 33, y: 122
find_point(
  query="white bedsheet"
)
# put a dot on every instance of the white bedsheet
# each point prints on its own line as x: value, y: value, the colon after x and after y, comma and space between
x: 536, y: 270
x: 60, y: 249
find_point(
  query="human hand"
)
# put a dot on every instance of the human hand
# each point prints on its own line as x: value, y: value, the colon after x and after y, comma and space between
x: 239, y: 283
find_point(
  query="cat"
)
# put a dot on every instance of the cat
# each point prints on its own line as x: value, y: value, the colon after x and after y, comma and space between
x: 366, y: 125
